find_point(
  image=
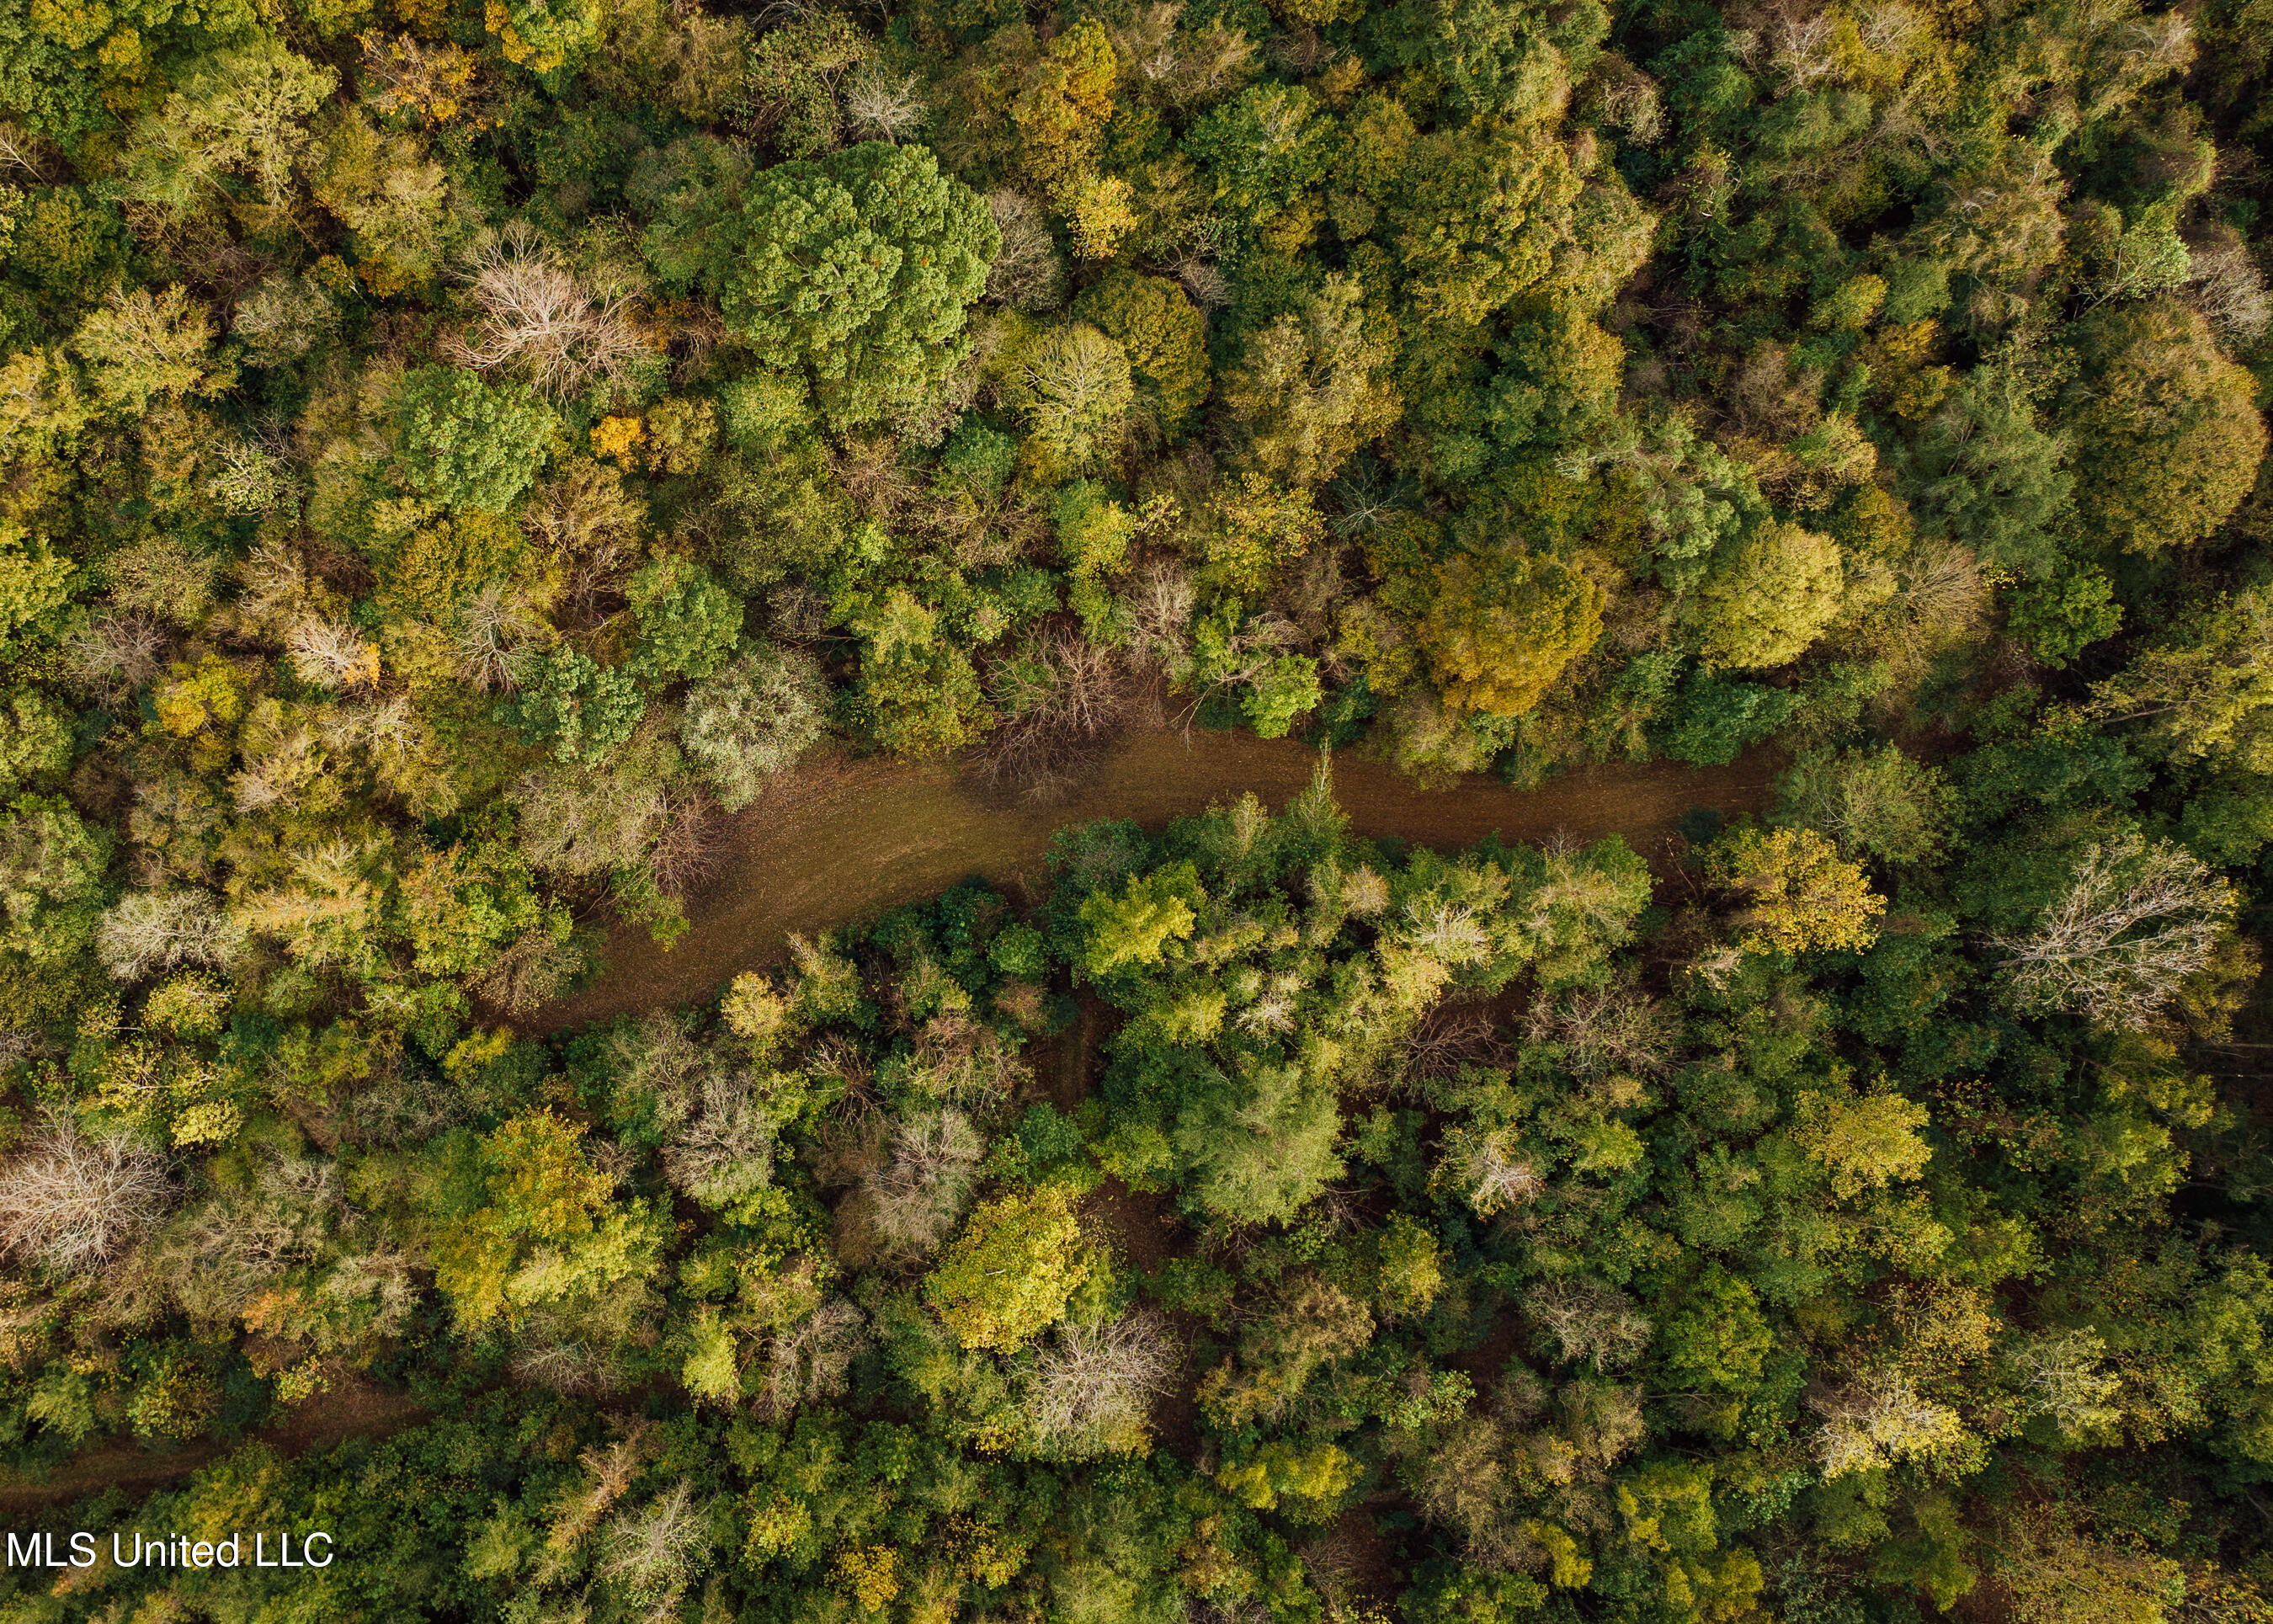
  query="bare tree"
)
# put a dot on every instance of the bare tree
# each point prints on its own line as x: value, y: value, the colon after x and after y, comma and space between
x: 1492, y: 1171
x: 1096, y: 1386
x: 650, y: 1552
x: 534, y: 967
x: 687, y: 840
x: 146, y: 931
x: 1450, y: 1038
x: 70, y: 1203
x: 807, y: 1362
x: 880, y: 105
x: 1062, y: 700
x: 1026, y: 274
x: 117, y: 650
x: 532, y: 312
x: 914, y: 1199
x: 333, y: 656
x: 1589, y: 1319
x: 2136, y: 921
x: 1604, y: 1029
x: 724, y: 1149
x: 492, y: 631
x: 2225, y: 284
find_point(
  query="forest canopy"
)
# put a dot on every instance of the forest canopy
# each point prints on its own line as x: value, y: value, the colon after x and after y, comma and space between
x: 465, y: 469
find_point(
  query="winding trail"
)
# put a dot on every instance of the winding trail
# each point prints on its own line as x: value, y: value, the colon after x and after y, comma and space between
x: 847, y: 841
x: 870, y: 836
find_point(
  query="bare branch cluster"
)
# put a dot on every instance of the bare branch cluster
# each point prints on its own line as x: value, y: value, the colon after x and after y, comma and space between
x: 2136, y: 921
x: 1101, y: 1380
x: 533, y: 312
x: 72, y: 1203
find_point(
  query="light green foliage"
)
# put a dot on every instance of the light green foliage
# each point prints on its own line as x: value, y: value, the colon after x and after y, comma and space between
x: 35, y: 582
x: 464, y: 444
x: 1261, y: 1143
x: 1162, y: 334
x: 239, y: 117
x: 462, y: 906
x: 751, y: 719
x: 1878, y: 803
x: 858, y: 269
x: 1505, y: 626
x: 537, y: 1227
x: 52, y: 879
x: 2170, y: 437
x: 544, y: 35
x: 1135, y: 927
x: 1798, y: 892
x: 1073, y: 385
x: 1007, y: 1278
x: 1865, y: 1142
x: 1286, y: 689
x: 917, y: 694
x: 1765, y: 605
x: 1310, y: 389
x: 143, y: 345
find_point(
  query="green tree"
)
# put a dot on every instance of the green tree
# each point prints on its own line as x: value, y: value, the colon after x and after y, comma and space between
x: 1478, y: 219
x: 1073, y: 385
x: 2169, y: 435
x: 1258, y: 1146
x: 1765, y: 605
x: 1799, y: 893
x: 688, y: 623
x: 1310, y: 389
x: 52, y: 888
x: 792, y: 78
x: 1007, y: 1277
x: 2060, y: 617
x: 917, y: 693
x: 582, y: 709
x: 751, y: 719
x: 1502, y: 627
x: 460, y: 443
x: 36, y: 738
x: 140, y: 346
x: 1878, y: 803
x: 539, y: 1229
x: 238, y: 114
x: 1135, y: 927
x: 856, y: 269
x: 1163, y: 335
x: 1282, y: 690
x: 35, y: 589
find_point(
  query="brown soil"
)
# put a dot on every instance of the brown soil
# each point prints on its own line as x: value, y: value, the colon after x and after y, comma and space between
x: 351, y: 1407
x: 870, y: 836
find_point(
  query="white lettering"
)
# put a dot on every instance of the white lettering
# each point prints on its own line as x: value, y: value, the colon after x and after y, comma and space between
x: 26, y: 1555
x: 260, y: 1551
x: 82, y: 1542
x: 120, y: 1560
x: 201, y: 1553
x: 225, y: 1553
x: 311, y: 1539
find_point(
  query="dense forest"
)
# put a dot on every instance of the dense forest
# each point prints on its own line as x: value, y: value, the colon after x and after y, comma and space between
x: 462, y: 466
